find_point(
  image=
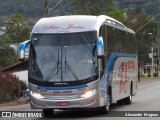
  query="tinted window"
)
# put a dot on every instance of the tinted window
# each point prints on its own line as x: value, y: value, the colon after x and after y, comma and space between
x: 120, y: 41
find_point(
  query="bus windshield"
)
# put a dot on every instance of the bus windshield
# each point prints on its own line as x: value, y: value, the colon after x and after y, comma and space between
x: 63, y: 57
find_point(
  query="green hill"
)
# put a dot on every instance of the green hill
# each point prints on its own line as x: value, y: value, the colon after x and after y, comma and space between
x: 35, y: 8
x: 31, y: 8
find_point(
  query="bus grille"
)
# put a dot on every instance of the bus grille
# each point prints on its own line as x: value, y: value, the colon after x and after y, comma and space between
x: 62, y: 97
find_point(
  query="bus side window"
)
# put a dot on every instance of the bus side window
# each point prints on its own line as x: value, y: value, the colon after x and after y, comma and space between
x: 103, y: 33
x: 111, y: 40
x: 123, y: 41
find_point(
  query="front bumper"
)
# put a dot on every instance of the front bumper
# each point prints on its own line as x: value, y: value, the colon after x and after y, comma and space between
x: 91, y: 102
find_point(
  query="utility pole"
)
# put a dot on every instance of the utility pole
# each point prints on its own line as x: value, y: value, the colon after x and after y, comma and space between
x: 152, y: 57
x: 46, y: 8
x: 158, y: 41
x: 152, y: 62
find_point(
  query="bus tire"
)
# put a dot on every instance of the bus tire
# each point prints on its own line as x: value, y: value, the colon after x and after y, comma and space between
x: 128, y: 100
x: 121, y: 102
x: 48, y: 112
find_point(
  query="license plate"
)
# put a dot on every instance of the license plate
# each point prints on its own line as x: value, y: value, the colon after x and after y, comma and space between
x: 62, y: 103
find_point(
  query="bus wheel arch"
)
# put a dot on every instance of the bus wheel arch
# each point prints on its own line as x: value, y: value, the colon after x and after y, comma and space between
x: 128, y: 100
x: 105, y: 109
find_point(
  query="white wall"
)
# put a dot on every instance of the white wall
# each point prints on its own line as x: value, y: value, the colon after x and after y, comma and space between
x: 23, y: 75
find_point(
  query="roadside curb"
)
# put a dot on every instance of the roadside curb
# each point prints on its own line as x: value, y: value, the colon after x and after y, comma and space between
x: 148, y: 80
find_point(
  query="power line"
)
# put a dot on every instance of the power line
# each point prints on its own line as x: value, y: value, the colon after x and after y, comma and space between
x: 47, y: 9
x: 148, y: 22
x: 50, y: 9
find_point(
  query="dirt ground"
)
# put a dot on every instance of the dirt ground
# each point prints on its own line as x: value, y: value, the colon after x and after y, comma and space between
x: 15, y: 102
x: 11, y: 103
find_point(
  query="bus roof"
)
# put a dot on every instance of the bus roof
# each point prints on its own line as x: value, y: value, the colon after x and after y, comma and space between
x: 76, y: 23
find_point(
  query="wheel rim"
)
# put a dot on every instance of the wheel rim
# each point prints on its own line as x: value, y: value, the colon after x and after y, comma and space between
x: 130, y: 97
x: 108, y: 103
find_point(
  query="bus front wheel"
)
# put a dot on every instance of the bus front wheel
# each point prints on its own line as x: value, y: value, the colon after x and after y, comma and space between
x: 105, y: 109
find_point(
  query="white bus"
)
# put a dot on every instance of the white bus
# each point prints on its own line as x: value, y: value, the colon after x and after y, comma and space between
x: 81, y: 62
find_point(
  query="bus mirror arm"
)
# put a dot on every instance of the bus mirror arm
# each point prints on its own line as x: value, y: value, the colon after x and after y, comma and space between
x: 22, y: 48
x: 93, y: 54
x: 101, y: 67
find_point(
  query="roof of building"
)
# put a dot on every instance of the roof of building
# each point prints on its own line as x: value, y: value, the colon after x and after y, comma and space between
x: 19, y: 66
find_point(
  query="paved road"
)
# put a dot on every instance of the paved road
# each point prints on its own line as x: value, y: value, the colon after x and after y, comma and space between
x: 147, y: 99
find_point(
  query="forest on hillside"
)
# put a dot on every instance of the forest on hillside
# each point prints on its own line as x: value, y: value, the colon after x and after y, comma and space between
x: 151, y: 7
x: 35, y: 8
x: 31, y: 8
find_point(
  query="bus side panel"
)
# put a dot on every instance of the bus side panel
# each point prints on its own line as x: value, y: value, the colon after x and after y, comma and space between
x: 122, y: 69
x: 126, y: 70
x: 135, y: 80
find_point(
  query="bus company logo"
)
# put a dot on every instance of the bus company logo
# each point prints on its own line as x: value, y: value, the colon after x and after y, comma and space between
x: 123, y: 71
x: 49, y: 27
x: 131, y: 64
x: 124, y: 67
x: 68, y: 27
x: 62, y: 92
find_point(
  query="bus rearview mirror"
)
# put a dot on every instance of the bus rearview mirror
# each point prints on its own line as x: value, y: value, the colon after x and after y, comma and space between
x: 100, y: 47
x: 22, y: 48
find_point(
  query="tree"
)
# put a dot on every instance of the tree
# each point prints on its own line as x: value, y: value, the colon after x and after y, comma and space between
x: 91, y: 7
x: 144, y: 41
x: 134, y: 20
x: 17, y: 28
x: 7, y: 54
x: 9, y: 86
x: 118, y: 14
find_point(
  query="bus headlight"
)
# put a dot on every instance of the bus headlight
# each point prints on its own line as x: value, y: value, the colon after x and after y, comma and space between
x: 37, y: 95
x: 88, y: 93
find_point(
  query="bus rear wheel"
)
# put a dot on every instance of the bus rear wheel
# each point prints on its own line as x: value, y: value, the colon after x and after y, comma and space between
x: 48, y: 112
x: 128, y: 100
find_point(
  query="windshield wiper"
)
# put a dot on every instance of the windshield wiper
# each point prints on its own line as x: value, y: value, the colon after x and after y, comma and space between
x: 70, y: 69
x: 55, y: 67
x: 68, y: 66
